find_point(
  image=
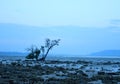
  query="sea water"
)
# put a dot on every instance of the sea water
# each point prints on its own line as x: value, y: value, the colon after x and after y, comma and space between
x: 67, y: 58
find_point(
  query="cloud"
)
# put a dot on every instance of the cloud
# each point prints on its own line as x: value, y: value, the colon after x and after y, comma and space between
x: 115, y: 22
x: 116, y: 31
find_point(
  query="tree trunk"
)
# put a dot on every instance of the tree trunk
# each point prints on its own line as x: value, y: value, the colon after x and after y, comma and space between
x: 44, y: 56
x: 47, y: 53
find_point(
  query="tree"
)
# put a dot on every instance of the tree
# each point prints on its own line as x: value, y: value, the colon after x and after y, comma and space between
x: 49, y: 44
x: 34, y: 53
x: 43, y: 51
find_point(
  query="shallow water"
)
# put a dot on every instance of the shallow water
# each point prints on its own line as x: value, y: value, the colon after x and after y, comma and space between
x: 63, y: 58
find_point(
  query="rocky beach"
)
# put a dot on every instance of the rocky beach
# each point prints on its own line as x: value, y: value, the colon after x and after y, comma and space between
x: 59, y: 72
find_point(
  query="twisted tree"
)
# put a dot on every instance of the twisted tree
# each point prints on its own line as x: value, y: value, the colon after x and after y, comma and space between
x: 49, y: 44
x: 43, y: 51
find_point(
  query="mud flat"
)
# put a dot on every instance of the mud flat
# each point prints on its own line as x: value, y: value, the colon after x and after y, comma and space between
x: 59, y: 72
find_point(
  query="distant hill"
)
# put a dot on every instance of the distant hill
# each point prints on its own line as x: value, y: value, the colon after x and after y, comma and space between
x: 12, y: 54
x: 107, y: 53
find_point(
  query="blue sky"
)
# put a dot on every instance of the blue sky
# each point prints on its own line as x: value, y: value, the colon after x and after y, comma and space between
x: 84, y: 26
x: 60, y: 12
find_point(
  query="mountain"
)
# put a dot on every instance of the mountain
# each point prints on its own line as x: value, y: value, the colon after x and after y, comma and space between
x: 12, y: 54
x: 107, y: 53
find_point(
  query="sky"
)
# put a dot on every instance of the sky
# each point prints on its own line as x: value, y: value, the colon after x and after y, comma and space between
x: 84, y: 26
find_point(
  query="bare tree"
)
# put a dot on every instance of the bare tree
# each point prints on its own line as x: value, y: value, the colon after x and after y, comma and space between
x: 44, y: 50
x: 49, y: 44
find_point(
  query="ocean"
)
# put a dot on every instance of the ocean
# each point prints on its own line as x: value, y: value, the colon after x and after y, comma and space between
x: 67, y: 58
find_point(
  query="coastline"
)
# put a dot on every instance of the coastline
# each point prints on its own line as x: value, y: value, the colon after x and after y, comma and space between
x: 59, y: 71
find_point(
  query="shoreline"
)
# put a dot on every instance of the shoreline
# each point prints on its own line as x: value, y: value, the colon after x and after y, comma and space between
x: 58, y: 72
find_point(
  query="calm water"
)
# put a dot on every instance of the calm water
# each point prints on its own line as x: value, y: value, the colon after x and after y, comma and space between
x: 63, y: 58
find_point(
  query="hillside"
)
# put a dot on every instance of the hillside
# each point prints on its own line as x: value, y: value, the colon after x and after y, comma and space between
x: 107, y: 53
x: 12, y: 54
